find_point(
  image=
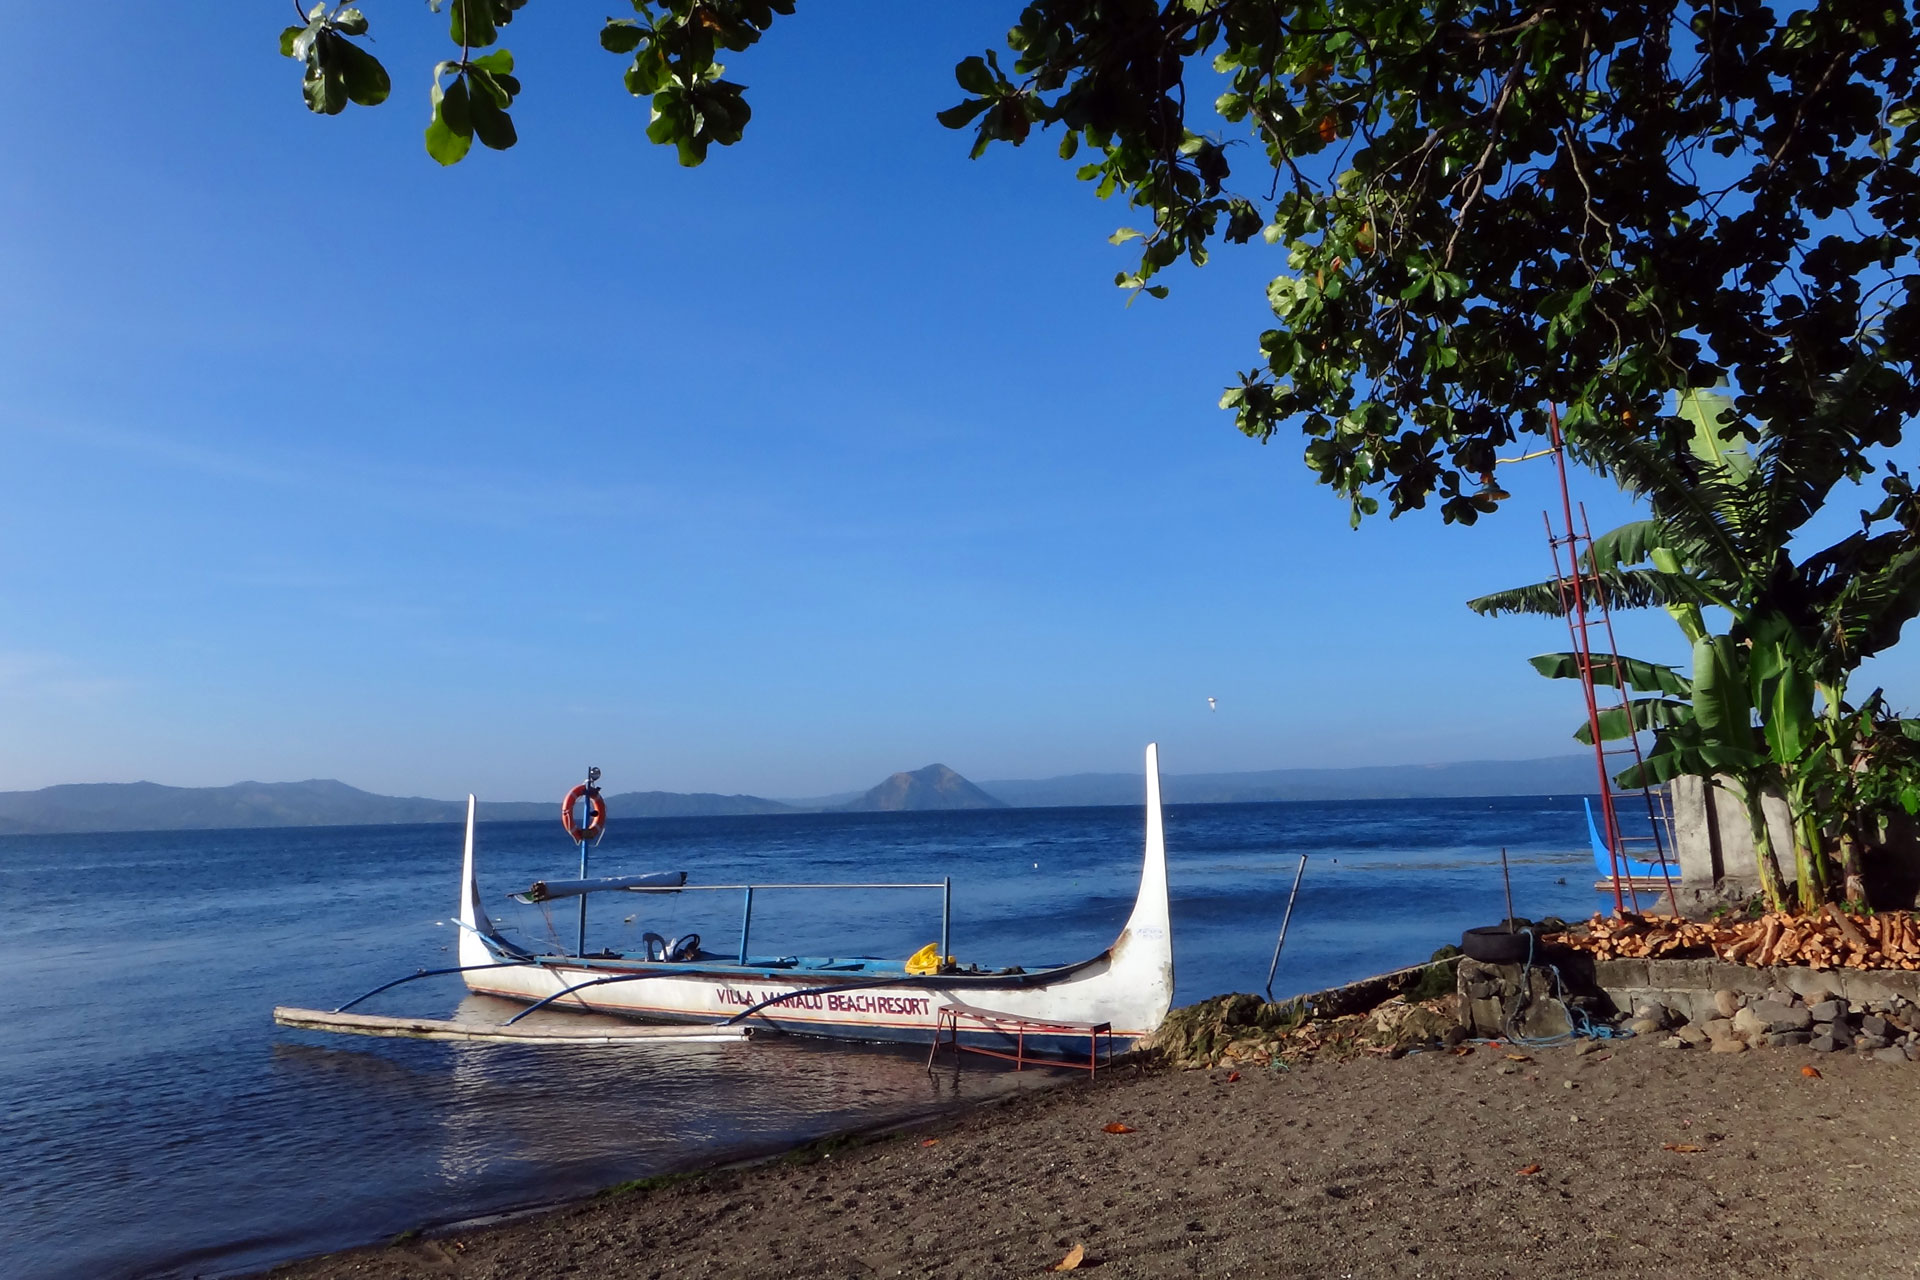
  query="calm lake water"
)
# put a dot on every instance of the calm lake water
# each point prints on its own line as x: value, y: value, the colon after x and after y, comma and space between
x: 153, y: 1120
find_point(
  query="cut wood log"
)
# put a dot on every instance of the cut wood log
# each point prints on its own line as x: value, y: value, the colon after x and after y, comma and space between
x: 1785, y: 948
x: 1756, y: 942
x: 1847, y: 929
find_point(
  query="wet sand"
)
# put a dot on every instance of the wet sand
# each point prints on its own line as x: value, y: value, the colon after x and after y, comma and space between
x: 1372, y: 1167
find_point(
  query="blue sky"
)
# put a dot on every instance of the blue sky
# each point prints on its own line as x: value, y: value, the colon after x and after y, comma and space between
x: 836, y: 456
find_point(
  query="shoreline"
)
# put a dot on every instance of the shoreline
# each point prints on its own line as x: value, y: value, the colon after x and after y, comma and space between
x: 1436, y: 1164
x: 804, y: 1152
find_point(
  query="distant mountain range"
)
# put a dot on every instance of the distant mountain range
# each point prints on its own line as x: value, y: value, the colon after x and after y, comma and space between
x: 1555, y: 775
x: 148, y: 806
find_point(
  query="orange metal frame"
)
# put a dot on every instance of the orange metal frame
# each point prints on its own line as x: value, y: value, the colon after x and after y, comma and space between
x: 947, y: 1030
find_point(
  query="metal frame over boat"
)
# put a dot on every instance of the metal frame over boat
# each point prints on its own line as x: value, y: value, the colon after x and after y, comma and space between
x: 1129, y: 986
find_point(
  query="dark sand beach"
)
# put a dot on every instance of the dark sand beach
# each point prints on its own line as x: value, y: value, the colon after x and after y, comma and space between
x: 1429, y: 1165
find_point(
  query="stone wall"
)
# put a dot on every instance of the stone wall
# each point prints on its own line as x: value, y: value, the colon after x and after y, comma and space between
x: 1702, y: 1001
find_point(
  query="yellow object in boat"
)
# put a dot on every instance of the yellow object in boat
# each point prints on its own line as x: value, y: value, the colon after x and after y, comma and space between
x: 927, y: 960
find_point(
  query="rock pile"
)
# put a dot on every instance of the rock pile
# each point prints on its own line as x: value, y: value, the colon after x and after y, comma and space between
x: 1887, y: 1030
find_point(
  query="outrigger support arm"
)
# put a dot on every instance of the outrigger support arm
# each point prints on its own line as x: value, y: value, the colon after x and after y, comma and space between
x: 427, y: 973
x: 581, y: 986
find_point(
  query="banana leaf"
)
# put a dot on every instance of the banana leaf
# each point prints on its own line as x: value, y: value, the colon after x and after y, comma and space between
x: 1721, y: 707
x: 1638, y: 716
x: 1649, y: 676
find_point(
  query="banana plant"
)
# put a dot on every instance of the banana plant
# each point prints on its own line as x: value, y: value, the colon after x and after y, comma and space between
x: 1702, y: 726
x: 1766, y: 703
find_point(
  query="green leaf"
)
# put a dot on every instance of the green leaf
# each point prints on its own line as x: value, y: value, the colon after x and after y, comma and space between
x: 499, y: 62
x: 961, y: 116
x: 622, y: 35
x: 649, y: 73
x: 1639, y: 716
x: 1648, y: 677
x: 323, y: 85
x: 287, y: 41
x: 471, y: 23
x: 366, y: 81
x: 484, y: 86
x: 450, y: 134
x: 1720, y: 704
x: 491, y: 124
x: 974, y: 77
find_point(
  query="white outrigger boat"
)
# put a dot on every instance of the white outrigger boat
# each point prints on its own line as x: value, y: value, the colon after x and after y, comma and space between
x: 1118, y: 996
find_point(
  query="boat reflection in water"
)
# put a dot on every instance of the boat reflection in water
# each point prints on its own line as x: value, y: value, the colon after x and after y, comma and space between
x: 589, y: 1115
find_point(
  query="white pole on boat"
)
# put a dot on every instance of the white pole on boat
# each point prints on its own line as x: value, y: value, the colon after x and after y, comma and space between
x: 946, y: 917
x: 1284, y: 922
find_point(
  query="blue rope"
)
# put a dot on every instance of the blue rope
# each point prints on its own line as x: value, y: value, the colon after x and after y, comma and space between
x: 1582, y: 1027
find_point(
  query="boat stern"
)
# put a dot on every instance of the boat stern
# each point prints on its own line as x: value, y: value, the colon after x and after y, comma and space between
x: 1142, y: 956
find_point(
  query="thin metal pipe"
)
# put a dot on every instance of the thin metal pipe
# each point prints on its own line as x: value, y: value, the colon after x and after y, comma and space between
x: 746, y: 921
x: 1285, y: 920
x: 946, y: 918
x: 1506, y: 878
x: 582, y: 950
x: 714, y: 888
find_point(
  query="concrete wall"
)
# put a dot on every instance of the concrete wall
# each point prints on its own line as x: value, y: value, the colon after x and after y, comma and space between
x: 1714, y: 841
x: 1714, y: 838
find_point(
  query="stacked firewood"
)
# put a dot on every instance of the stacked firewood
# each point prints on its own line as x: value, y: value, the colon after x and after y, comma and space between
x: 1833, y: 939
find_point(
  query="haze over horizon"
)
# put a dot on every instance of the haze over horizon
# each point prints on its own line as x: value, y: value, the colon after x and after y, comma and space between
x: 852, y: 787
x: 839, y: 455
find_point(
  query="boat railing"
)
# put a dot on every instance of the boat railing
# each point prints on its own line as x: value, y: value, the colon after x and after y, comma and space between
x: 746, y: 892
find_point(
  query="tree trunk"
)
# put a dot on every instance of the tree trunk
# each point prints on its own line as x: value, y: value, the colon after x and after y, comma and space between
x: 1810, y: 863
x: 1764, y: 859
x: 1853, y: 881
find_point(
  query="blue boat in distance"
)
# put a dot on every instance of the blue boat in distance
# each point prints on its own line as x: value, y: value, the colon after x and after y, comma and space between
x: 1630, y: 868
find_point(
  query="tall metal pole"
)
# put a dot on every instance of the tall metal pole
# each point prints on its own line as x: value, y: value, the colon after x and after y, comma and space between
x: 1506, y: 878
x: 583, y: 897
x: 946, y: 918
x: 593, y: 776
x: 1284, y: 922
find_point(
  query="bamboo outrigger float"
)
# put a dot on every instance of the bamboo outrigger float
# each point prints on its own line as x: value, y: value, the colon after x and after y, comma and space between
x: 1124, y: 992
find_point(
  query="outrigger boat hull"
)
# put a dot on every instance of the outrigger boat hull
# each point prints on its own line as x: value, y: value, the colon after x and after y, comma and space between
x: 1128, y: 987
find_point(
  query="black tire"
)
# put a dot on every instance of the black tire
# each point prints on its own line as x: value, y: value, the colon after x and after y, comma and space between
x: 1494, y: 945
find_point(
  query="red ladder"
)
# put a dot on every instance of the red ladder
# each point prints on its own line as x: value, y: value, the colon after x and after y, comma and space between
x: 1582, y: 594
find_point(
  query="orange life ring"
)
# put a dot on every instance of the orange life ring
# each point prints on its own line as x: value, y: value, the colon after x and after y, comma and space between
x: 596, y: 813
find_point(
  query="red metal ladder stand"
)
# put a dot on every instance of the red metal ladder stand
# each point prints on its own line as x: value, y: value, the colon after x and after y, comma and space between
x: 1583, y: 602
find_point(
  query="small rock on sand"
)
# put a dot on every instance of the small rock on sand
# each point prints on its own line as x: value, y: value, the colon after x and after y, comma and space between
x: 1729, y: 1044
